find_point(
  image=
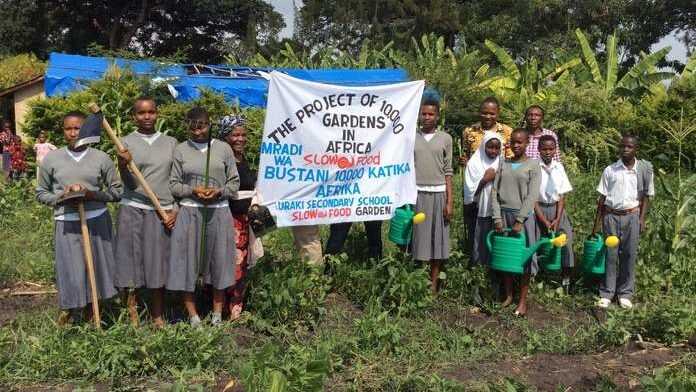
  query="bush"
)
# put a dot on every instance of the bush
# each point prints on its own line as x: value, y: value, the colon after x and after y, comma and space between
x: 288, y: 294
x: 18, y: 69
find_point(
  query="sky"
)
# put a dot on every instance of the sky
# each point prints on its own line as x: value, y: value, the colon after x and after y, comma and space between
x: 285, y: 7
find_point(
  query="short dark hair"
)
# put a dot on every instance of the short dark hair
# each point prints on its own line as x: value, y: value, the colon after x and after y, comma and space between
x: 197, y: 113
x: 490, y: 99
x: 520, y: 130
x: 635, y: 138
x: 547, y: 138
x: 144, y: 98
x: 74, y: 113
x: 543, y: 112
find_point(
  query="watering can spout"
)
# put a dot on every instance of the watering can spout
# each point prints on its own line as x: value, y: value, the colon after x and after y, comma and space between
x: 558, y: 241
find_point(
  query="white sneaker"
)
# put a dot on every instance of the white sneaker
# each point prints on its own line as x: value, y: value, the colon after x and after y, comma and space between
x: 604, y: 303
x: 625, y: 303
x: 195, y: 321
x: 216, y: 319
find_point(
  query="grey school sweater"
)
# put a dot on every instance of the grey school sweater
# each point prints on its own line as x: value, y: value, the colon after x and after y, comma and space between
x: 433, y: 159
x: 155, y: 162
x: 188, y: 169
x: 95, y: 171
x: 516, y: 189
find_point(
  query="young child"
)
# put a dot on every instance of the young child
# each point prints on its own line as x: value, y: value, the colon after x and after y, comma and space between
x: 433, y: 164
x: 550, y: 209
x: 625, y: 190
x: 515, y: 191
x: 187, y: 184
x: 142, y: 240
x: 478, y: 182
x: 80, y: 169
x: 41, y: 148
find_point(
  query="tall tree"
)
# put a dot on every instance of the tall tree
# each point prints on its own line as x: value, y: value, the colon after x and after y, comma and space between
x: 197, y: 30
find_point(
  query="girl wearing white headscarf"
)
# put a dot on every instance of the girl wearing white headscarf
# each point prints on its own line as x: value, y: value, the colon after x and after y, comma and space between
x: 478, y: 182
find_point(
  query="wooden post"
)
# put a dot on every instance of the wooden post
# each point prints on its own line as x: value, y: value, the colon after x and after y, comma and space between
x: 89, y: 263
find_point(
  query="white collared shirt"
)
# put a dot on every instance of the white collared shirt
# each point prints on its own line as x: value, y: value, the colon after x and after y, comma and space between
x: 619, y: 185
x: 554, y: 182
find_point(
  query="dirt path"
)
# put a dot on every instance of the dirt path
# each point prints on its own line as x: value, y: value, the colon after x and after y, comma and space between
x: 12, y: 304
x: 547, y: 372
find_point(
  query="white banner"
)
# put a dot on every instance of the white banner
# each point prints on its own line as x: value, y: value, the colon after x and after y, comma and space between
x: 337, y: 154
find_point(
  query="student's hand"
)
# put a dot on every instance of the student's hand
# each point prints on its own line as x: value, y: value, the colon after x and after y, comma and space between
x: 448, y: 211
x: 489, y: 175
x: 498, y: 227
x: 169, y: 219
x: 124, y: 157
x: 516, y: 228
x: 643, y: 225
x: 89, y: 195
x: 554, y: 225
x: 463, y: 160
x: 199, y: 192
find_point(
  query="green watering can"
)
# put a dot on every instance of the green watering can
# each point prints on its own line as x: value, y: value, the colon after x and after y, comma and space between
x: 594, y: 256
x: 401, y: 225
x: 549, y: 255
x: 510, y: 253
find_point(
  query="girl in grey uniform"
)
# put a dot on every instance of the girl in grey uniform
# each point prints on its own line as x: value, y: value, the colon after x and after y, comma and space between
x: 514, y: 194
x: 142, y: 239
x: 71, y: 169
x: 198, y: 205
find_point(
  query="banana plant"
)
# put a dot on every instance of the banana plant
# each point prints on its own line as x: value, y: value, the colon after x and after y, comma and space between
x: 635, y: 83
x: 523, y: 85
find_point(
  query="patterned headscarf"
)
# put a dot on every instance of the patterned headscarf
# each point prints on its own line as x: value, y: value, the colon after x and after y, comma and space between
x: 230, y: 122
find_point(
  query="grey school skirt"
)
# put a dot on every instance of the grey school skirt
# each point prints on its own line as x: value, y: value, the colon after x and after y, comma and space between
x: 142, y: 249
x: 549, y: 211
x: 431, y: 238
x: 479, y: 252
x: 529, y: 228
x: 71, y: 273
x: 218, y: 266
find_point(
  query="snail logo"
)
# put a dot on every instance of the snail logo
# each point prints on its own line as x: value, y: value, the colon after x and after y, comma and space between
x: 344, y: 163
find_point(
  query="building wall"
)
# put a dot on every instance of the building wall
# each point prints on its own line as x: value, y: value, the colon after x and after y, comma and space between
x: 21, y: 103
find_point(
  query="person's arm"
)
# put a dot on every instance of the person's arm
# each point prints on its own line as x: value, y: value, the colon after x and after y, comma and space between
x: 449, y: 172
x: 495, y: 204
x: 231, y: 187
x: 532, y: 196
x: 540, y: 216
x: 179, y: 189
x: 559, y: 213
x: 124, y: 157
x: 645, y: 200
x: 44, y: 188
x: 463, y: 148
x: 112, y: 185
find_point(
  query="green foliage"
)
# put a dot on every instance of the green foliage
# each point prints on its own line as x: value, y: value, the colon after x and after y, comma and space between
x: 397, y: 284
x: 41, y: 352
x: 19, y: 68
x: 671, y: 379
x: 377, y: 332
x: 288, y: 293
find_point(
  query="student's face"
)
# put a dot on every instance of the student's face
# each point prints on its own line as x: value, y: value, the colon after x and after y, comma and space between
x: 493, y: 148
x: 237, y: 139
x: 428, y: 116
x: 41, y: 138
x: 488, y: 115
x: 547, y: 149
x: 628, y: 148
x: 534, y: 118
x: 198, y: 129
x: 6, y: 126
x: 145, y: 115
x: 71, y: 129
x: 518, y: 143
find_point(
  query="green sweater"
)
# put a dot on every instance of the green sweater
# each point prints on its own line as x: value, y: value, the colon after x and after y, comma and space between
x: 95, y: 171
x: 516, y: 189
x: 188, y: 169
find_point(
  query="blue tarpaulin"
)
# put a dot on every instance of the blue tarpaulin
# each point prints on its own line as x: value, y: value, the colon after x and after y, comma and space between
x: 247, y: 86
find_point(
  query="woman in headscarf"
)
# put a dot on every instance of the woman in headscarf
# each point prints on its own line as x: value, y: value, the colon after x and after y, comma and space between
x: 478, y: 182
x: 233, y: 131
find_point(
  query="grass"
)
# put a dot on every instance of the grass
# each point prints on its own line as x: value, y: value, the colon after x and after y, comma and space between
x: 367, y: 326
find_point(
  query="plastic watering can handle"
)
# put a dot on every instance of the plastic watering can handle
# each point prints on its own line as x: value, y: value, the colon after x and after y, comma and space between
x: 490, y: 234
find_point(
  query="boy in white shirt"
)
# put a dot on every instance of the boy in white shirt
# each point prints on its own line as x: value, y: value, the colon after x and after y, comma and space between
x: 550, y: 209
x: 625, y: 189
